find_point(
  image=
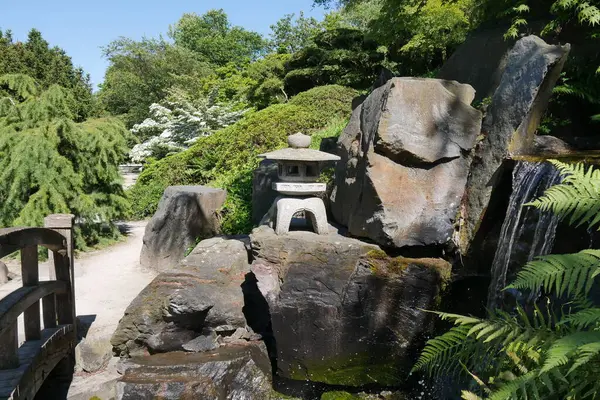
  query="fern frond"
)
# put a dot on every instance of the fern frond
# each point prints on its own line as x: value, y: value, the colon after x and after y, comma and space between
x: 585, y: 354
x: 511, y: 389
x: 584, y: 318
x: 570, y: 273
x: 457, y: 319
x: 578, y: 196
x: 466, y: 395
x: 440, y: 350
x: 563, y: 350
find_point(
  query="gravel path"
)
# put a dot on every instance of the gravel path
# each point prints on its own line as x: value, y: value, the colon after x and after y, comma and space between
x: 107, y: 280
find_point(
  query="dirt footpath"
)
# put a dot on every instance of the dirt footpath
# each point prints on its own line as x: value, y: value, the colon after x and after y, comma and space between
x: 106, y: 281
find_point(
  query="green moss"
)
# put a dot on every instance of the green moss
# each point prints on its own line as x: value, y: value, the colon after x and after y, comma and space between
x: 377, y: 255
x: 339, y: 396
x: 381, y: 264
x: 275, y: 395
x: 228, y: 158
x: 358, y: 370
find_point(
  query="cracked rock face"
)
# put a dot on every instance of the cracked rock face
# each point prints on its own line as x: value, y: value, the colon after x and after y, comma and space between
x: 404, y: 162
x: 342, y: 312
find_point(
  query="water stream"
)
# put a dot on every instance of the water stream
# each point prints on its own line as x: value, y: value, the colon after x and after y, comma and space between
x: 526, y: 232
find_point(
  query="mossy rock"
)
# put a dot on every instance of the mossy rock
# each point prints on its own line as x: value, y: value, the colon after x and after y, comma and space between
x: 381, y: 264
x: 356, y: 371
x: 339, y: 396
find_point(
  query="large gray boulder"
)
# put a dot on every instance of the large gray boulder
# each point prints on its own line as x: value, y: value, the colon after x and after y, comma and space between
x: 233, y: 372
x: 200, y: 297
x: 509, y: 127
x: 342, y: 311
x: 403, y: 168
x: 185, y: 213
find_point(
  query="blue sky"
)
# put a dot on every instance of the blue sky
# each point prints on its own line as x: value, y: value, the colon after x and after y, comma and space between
x: 82, y: 27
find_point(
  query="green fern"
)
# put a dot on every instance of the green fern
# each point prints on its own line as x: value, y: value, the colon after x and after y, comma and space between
x: 588, y: 317
x: 578, y: 196
x: 572, y: 274
x: 569, y: 348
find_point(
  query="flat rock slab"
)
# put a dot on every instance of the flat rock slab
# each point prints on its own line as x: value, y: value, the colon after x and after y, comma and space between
x: 232, y: 372
x: 185, y: 213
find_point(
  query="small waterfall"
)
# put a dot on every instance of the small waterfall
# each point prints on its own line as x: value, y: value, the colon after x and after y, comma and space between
x: 526, y: 232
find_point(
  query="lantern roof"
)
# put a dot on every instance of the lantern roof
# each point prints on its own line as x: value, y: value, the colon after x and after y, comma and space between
x: 299, y: 151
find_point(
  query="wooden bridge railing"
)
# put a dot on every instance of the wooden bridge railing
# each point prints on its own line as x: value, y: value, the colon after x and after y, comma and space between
x: 24, y: 368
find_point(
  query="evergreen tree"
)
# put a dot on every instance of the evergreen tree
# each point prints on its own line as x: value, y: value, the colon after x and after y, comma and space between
x: 48, y: 66
x: 51, y: 164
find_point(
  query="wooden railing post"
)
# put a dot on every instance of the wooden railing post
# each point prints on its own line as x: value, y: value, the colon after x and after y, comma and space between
x: 9, y: 345
x: 31, y: 277
x: 63, y: 267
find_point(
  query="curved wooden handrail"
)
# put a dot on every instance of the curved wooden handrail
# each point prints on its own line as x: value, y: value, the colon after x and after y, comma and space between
x: 13, y: 239
x: 18, y: 301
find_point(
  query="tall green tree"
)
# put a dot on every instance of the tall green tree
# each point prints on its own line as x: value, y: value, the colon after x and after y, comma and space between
x: 212, y: 37
x: 141, y: 72
x: 48, y: 66
x: 51, y: 164
x: 289, y: 34
x: 343, y: 56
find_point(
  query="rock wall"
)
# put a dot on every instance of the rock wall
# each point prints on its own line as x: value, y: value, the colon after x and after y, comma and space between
x: 404, y: 162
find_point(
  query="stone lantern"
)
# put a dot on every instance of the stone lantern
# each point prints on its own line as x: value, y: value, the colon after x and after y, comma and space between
x: 298, y: 169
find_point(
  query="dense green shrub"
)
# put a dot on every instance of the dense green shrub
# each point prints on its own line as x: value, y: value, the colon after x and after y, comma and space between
x: 227, y: 158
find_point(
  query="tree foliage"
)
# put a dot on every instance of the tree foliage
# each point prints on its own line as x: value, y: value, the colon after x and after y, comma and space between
x: 48, y: 66
x: 178, y: 122
x: 551, y: 351
x: 290, y: 35
x: 140, y: 73
x: 51, y: 164
x: 212, y: 37
x: 343, y: 56
x: 227, y: 158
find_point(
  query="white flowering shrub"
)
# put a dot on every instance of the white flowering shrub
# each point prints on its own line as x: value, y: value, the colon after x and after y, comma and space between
x: 178, y: 122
